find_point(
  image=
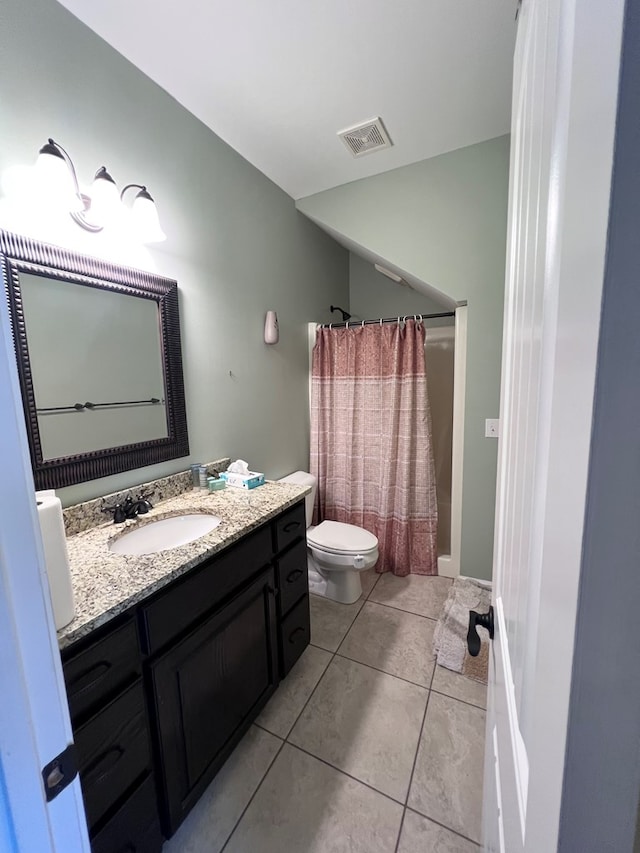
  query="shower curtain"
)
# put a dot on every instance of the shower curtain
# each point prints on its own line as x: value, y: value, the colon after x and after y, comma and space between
x: 371, y: 444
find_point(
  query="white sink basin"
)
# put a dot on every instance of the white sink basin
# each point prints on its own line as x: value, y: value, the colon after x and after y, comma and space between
x: 164, y: 534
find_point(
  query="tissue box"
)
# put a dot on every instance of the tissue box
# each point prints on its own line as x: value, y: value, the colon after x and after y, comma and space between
x: 250, y: 480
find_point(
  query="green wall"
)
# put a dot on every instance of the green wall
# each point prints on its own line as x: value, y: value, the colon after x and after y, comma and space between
x: 372, y: 295
x: 444, y: 220
x: 236, y: 243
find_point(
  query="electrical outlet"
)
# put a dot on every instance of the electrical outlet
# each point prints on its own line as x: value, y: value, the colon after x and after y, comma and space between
x: 492, y: 428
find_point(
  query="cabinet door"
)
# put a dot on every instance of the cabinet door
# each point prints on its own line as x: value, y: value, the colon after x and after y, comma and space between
x: 208, y: 688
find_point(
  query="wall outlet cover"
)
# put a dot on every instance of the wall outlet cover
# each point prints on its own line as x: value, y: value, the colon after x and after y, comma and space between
x: 492, y: 428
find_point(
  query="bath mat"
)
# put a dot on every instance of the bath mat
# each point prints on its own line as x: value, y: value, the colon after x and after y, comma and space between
x: 450, y: 636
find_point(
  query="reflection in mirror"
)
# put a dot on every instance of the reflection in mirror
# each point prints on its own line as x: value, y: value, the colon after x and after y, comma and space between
x: 99, y: 361
x: 88, y: 345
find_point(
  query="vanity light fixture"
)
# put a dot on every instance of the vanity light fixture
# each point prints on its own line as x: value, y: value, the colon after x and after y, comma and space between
x: 144, y: 215
x: 101, y: 207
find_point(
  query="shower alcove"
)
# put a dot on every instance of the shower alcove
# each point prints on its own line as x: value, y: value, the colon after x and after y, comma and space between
x: 373, y: 296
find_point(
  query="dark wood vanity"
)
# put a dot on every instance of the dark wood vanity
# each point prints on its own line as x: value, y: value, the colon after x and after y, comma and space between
x: 160, y: 696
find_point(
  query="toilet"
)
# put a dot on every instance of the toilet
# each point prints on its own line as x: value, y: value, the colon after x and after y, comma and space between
x: 336, y: 552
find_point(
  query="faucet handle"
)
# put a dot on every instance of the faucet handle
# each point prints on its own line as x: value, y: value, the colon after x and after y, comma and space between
x: 118, y: 512
x: 144, y: 504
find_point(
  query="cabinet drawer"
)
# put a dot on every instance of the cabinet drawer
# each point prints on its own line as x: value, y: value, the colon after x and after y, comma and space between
x: 295, y: 633
x: 96, y: 675
x: 135, y: 827
x: 203, y: 588
x: 293, y: 580
x: 113, y: 752
x: 289, y: 527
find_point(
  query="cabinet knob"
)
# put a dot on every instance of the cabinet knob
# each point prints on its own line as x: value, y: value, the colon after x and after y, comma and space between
x: 102, y: 766
x: 88, y: 678
x: 295, y: 633
x: 293, y: 576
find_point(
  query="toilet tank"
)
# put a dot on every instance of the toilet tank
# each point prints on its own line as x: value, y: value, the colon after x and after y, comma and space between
x: 303, y: 478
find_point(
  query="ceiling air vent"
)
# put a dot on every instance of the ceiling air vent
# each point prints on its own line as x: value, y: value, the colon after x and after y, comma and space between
x: 366, y: 137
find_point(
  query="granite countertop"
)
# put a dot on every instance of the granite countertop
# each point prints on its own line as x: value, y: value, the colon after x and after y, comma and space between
x: 106, y: 584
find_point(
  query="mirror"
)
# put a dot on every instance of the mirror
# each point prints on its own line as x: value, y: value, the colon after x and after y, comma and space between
x: 99, y: 361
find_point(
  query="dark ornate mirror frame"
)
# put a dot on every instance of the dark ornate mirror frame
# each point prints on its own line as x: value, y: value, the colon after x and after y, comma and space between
x: 23, y: 255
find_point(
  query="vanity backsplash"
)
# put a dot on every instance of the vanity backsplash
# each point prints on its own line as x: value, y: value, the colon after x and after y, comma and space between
x: 83, y: 516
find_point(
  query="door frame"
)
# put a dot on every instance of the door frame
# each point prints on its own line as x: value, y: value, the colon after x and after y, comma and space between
x: 449, y: 564
x: 35, y: 724
x: 601, y: 789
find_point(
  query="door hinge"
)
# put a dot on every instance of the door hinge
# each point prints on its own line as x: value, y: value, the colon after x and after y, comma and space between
x: 60, y: 772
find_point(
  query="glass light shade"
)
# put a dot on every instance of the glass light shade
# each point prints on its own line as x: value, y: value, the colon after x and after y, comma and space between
x: 145, y: 220
x: 105, y: 200
x: 54, y: 183
x: 18, y: 184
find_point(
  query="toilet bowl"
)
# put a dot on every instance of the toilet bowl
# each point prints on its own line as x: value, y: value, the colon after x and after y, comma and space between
x: 336, y: 552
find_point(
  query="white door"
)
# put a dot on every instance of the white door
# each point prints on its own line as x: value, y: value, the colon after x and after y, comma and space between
x: 563, y: 116
x: 34, y: 717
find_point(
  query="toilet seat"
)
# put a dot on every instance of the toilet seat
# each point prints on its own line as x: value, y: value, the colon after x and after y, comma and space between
x: 337, y: 537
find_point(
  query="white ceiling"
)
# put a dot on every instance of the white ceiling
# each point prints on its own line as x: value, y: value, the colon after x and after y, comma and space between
x: 276, y: 79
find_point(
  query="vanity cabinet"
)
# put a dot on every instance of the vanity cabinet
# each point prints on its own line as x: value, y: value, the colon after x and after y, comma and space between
x: 160, y: 697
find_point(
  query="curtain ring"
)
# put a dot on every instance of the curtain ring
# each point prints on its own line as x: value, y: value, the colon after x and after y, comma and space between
x: 380, y: 322
x: 330, y: 324
x: 404, y: 319
x: 417, y: 317
x: 362, y: 325
x: 347, y: 324
x: 398, y: 320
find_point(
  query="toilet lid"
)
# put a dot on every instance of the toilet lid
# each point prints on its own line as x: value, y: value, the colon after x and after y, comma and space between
x: 337, y: 537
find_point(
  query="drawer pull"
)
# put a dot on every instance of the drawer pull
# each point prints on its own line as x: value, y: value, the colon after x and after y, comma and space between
x: 87, y: 679
x: 293, y: 525
x: 101, y: 768
x: 294, y: 634
x: 293, y: 576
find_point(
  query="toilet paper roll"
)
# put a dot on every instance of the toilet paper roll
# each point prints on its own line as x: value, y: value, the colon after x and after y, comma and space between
x: 56, y: 557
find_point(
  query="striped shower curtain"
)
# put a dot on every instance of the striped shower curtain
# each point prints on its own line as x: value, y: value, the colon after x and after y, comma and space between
x: 371, y: 444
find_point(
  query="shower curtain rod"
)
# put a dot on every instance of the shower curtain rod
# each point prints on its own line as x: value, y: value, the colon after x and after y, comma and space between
x: 385, y: 320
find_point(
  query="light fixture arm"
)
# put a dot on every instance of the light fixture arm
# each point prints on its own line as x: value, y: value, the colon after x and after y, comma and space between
x: 129, y: 186
x: 143, y: 191
x: 67, y: 159
x: 78, y: 216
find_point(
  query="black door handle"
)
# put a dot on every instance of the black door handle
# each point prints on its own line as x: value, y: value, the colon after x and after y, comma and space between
x: 486, y: 621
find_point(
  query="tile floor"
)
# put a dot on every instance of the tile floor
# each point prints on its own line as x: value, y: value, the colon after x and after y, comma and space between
x: 366, y: 747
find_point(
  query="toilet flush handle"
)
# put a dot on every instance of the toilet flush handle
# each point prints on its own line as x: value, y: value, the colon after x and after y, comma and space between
x: 358, y: 562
